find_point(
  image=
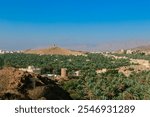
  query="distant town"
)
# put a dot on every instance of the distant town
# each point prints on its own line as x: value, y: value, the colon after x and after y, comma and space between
x: 6, y: 52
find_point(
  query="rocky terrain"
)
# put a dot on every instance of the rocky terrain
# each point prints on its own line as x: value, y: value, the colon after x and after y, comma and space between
x: 53, y: 51
x: 15, y: 84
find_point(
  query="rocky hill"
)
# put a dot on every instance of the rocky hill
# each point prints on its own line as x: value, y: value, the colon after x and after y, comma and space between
x: 140, y: 49
x: 143, y: 48
x: 15, y: 84
x: 54, y: 51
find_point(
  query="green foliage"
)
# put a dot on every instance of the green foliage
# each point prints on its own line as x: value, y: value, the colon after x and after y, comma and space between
x: 111, y: 85
x: 56, y: 62
x: 89, y: 85
x: 1, y: 62
x: 136, y: 56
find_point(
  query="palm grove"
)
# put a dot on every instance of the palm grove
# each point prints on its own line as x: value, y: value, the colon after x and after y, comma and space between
x: 89, y: 85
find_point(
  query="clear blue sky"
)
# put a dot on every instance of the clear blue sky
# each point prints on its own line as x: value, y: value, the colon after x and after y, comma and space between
x: 80, y: 24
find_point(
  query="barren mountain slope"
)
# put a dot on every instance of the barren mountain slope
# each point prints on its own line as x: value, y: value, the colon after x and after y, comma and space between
x: 54, y: 50
x: 143, y: 48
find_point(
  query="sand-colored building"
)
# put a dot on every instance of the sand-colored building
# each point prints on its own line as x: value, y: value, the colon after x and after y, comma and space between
x: 63, y: 72
x: 101, y: 71
x: 31, y: 69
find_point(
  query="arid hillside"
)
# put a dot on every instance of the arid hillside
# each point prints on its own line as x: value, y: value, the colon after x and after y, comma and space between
x: 142, y: 48
x: 54, y: 51
x: 15, y: 84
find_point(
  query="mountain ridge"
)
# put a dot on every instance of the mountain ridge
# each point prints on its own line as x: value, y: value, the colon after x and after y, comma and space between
x: 142, y: 48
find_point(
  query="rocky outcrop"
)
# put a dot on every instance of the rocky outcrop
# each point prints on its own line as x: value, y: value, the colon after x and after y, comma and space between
x: 15, y: 84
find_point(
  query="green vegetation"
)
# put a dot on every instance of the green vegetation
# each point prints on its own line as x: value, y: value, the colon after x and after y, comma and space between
x: 136, y: 56
x: 1, y: 62
x: 53, y: 63
x: 89, y: 85
x: 110, y: 86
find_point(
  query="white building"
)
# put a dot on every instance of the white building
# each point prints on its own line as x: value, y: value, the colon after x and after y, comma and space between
x: 31, y: 69
x: 2, y: 51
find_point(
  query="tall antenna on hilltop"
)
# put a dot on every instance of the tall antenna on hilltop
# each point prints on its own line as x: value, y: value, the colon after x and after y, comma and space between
x: 52, y: 46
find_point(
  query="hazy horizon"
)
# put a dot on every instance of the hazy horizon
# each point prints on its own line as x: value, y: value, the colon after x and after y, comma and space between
x: 81, y: 25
